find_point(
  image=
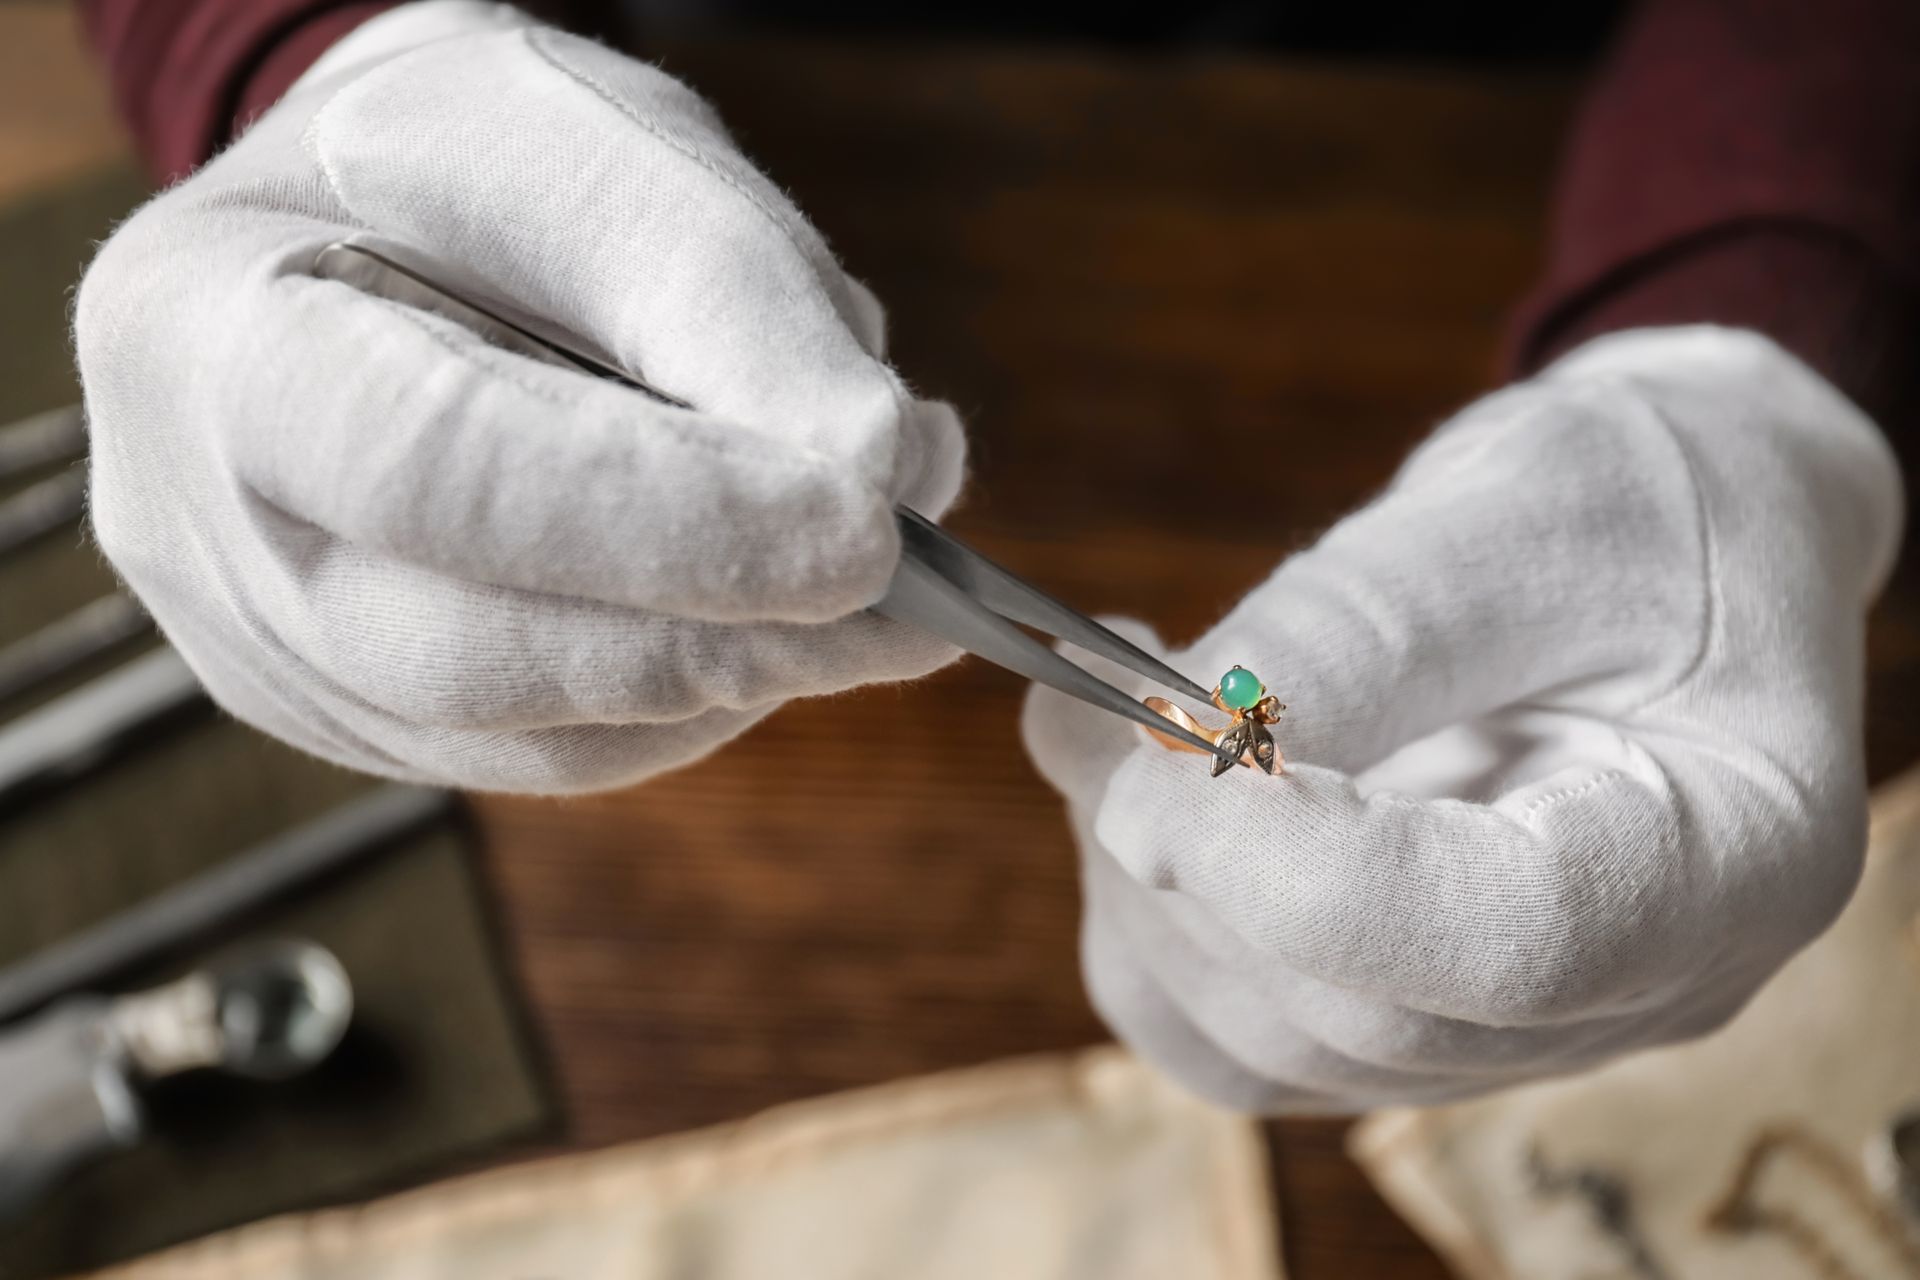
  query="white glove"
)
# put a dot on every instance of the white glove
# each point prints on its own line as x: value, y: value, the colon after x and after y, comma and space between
x: 1573, y: 735
x: 388, y: 543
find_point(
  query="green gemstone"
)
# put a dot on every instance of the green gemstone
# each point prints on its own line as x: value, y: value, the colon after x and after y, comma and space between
x: 1240, y: 689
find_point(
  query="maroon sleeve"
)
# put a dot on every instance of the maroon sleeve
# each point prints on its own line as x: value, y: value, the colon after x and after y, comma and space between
x: 1754, y: 163
x: 184, y: 71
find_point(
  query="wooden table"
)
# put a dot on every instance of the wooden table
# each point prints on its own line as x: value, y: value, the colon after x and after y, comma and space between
x: 1117, y: 267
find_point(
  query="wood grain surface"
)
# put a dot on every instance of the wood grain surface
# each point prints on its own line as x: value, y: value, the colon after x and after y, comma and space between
x: 1193, y: 309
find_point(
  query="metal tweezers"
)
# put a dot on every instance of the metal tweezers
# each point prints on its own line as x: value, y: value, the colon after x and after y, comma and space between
x: 941, y: 586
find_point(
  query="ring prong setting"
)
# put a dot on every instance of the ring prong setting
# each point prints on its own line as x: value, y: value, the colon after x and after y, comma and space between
x: 1247, y: 741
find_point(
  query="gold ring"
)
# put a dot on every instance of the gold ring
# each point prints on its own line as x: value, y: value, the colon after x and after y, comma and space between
x: 1241, y: 695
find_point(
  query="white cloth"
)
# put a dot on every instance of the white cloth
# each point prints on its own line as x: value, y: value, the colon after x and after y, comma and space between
x: 1757, y: 1153
x: 403, y: 550
x: 1080, y: 1167
x: 1575, y: 746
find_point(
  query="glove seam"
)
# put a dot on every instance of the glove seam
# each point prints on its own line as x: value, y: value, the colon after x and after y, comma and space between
x: 652, y: 127
x: 1553, y: 799
x: 819, y: 462
x: 754, y: 452
x: 1707, y: 549
x: 1709, y: 560
x: 784, y: 225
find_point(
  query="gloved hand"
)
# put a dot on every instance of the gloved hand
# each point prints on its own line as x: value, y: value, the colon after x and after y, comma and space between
x: 406, y: 551
x: 1574, y: 746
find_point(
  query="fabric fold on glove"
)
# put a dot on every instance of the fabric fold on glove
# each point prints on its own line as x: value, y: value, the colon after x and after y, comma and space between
x: 1573, y: 740
x: 412, y: 553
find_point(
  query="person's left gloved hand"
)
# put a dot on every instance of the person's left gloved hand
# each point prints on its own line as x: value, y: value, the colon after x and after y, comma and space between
x: 1574, y: 746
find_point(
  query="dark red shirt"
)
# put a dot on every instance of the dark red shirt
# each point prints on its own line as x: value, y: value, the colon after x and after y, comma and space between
x: 1749, y: 162
x: 1746, y: 162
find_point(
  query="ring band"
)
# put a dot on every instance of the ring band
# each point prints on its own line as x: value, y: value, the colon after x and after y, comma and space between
x: 1241, y: 695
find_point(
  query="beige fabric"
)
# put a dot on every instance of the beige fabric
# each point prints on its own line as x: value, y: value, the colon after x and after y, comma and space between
x: 1740, y: 1156
x: 1079, y: 1166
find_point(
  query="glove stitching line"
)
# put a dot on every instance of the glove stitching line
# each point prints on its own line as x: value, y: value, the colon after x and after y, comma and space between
x: 1601, y: 394
x: 310, y: 137
x: 310, y: 140
x: 1707, y: 550
x: 896, y: 389
x: 780, y: 222
x: 1534, y: 807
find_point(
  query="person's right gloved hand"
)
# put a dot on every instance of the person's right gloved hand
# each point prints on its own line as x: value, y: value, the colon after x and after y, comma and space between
x: 386, y: 542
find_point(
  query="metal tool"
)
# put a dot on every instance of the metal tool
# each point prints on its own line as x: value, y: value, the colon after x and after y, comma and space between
x: 91, y: 631
x: 188, y: 912
x: 70, y: 1079
x: 59, y: 435
x: 79, y: 731
x: 942, y: 585
x: 41, y: 509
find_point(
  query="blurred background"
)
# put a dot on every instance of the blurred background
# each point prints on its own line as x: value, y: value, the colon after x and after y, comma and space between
x: 1112, y: 252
